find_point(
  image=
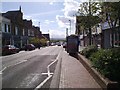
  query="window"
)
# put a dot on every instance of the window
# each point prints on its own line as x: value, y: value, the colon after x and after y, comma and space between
x: 117, y: 38
x: 28, y: 32
x: 16, y: 30
x: 9, y: 30
x: 32, y: 33
x: 5, y: 27
x: 23, y: 32
x: 0, y: 26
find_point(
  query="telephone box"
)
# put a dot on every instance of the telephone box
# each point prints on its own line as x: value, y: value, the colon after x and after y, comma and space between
x: 72, y: 44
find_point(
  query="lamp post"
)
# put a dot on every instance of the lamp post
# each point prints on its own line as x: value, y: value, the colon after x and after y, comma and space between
x: 39, y: 25
x: 70, y: 26
x: 66, y: 32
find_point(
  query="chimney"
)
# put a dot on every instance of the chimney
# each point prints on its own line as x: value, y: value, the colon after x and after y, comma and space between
x: 20, y: 8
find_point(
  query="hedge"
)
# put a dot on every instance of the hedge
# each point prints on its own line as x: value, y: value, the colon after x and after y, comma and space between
x: 107, y: 62
x: 88, y: 51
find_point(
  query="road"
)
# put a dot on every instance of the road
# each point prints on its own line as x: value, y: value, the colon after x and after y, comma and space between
x: 29, y: 69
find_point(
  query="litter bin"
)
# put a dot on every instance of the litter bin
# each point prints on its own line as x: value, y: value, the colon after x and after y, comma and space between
x: 72, y: 44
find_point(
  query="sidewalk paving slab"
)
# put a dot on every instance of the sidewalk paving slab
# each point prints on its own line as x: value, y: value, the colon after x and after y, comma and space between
x: 74, y: 74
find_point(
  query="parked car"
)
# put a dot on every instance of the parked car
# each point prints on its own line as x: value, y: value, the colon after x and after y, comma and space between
x: 29, y: 47
x: 9, y: 49
x: 37, y: 46
x: 65, y: 45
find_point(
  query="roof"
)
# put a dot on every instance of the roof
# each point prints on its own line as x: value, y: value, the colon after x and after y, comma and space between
x: 12, y: 14
x: 47, y: 36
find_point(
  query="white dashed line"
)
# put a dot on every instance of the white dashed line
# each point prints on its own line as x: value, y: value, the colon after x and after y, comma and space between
x: 2, y: 70
x: 18, y: 63
x: 12, y: 65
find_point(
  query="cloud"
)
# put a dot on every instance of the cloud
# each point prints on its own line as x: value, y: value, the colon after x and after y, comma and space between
x: 27, y: 17
x: 62, y: 21
x: 57, y: 33
x: 70, y: 8
x: 34, y: 21
x: 51, y: 2
x: 48, y: 21
x: 35, y: 15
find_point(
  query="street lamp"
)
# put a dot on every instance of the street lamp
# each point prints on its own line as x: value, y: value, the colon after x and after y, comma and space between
x: 70, y: 26
x: 66, y: 32
x: 39, y: 25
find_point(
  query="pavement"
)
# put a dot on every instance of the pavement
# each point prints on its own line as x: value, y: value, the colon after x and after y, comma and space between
x: 73, y: 74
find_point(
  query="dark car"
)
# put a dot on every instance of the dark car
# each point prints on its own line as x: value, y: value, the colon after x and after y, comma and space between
x: 37, y: 46
x: 9, y: 49
x: 29, y: 47
x: 64, y: 45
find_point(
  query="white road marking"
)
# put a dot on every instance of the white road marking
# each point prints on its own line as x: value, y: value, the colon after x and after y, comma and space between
x: 18, y: 63
x: 12, y: 65
x: 48, y: 73
x: 2, y: 70
x: 41, y: 84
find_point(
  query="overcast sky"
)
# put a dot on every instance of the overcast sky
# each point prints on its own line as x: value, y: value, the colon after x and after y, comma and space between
x: 53, y: 15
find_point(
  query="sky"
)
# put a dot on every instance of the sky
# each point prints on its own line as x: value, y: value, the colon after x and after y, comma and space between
x: 52, y: 16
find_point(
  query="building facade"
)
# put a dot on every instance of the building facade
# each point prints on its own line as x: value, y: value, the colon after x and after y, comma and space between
x: 5, y: 26
x: 107, y: 36
x: 16, y: 30
x: 16, y: 18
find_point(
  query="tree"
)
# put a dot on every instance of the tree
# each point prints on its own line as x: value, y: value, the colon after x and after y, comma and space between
x: 34, y: 40
x: 111, y: 14
x: 43, y: 41
x: 89, y: 18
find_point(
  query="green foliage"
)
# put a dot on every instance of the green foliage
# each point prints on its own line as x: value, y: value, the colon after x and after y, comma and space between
x: 88, y: 51
x: 43, y: 42
x: 111, y: 11
x: 107, y: 62
x: 89, y: 14
x: 34, y: 40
